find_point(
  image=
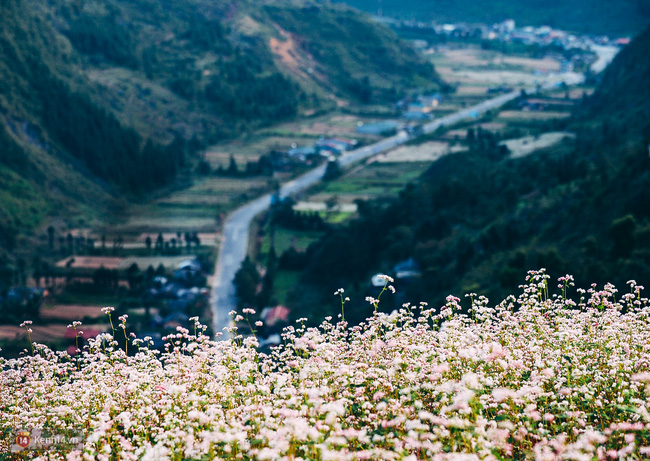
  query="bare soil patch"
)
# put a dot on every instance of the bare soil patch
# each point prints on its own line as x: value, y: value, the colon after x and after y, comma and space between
x: 546, y: 64
x: 71, y: 312
x: 426, y: 152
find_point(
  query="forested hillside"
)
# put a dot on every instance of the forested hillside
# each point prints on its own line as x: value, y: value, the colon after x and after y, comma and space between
x: 101, y: 100
x: 623, y: 96
x: 367, y: 62
x: 48, y: 110
x: 475, y: 221
x: 215, y: 68
x: 588, y: 16
x: 36, y: 177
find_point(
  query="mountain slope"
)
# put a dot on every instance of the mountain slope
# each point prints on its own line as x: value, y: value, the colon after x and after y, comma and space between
x: 211, y: 68
x: 587, y: 16
x: 36, y: 181
x: 106, y: 99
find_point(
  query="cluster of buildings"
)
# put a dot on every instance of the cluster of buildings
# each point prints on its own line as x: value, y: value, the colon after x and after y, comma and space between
x: 546, y: 35
x: 419, y: 108
x: 324, y: 147
x: 507, y: 31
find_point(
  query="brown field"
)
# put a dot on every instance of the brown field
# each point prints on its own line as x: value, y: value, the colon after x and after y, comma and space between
x: 11, y: 332
x: 470, y: 90
x: 462, y: 133
x: 546, y: 64
x: 70, y: 312
x: 245, y: 150
x: 574, y: 93
x: 475, y: 69
x: 222, y: 159
x: 426, y: 152
x: 510, y: 115
x: 492, y: 126
x: 40, y: 333
x: 338, y: 125
x: 496, y: 77
x: 466, y: 56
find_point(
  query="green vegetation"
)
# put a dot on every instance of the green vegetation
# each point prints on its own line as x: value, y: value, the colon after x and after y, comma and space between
x: 474, y: 220
x: 590, y: 16
x: 621, y: 99
x: 107, y: 104
x: 358, y: 58
x: 551, y: 372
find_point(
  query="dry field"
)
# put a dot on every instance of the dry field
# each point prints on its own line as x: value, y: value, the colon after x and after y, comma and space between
x: 521, y: 147
x: 41, y: 333
x: 426, y: 152
x: 497, y: 77
x: 469, y: 90
x: 478, y: 58
x: 546, y: 64
x: 475, y: 69
x: 322, y: 206
x: 327, y: 125
x: 510, y: 115
x: 70, y: 312
x: 471, y: 57
x: 245, y: 150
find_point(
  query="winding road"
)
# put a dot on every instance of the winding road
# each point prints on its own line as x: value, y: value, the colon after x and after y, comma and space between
x: 234, y: 240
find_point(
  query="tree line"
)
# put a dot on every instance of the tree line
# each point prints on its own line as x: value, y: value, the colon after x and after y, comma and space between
x: 114, y: 153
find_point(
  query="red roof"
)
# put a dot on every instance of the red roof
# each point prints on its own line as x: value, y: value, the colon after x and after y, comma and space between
x: 273, y: 315
x: 87, y: 333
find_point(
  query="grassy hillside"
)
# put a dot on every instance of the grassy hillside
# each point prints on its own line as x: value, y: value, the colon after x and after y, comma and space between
x: 475, y: 220
x: 352, y: 54
x: 589, y: 16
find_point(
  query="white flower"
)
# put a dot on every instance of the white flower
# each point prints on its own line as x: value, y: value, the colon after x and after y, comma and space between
x: 385, y: 278
x: 641, y: 377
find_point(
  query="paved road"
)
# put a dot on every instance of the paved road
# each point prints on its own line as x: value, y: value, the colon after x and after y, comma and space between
x: 234, y: 242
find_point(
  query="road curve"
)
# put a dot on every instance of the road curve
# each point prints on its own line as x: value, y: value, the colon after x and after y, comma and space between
x: 234, y: 239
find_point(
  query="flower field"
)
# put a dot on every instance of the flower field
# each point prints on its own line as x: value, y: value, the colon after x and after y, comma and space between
x: 539, y: 376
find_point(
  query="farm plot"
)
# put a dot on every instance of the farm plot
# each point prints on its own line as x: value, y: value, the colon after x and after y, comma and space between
x: 524, y: 115
x: 526, y: 145
x: 426, y: 152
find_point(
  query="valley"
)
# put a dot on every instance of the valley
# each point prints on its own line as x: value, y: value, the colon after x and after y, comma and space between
x: 288, y: 229
x: 187, y: 220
